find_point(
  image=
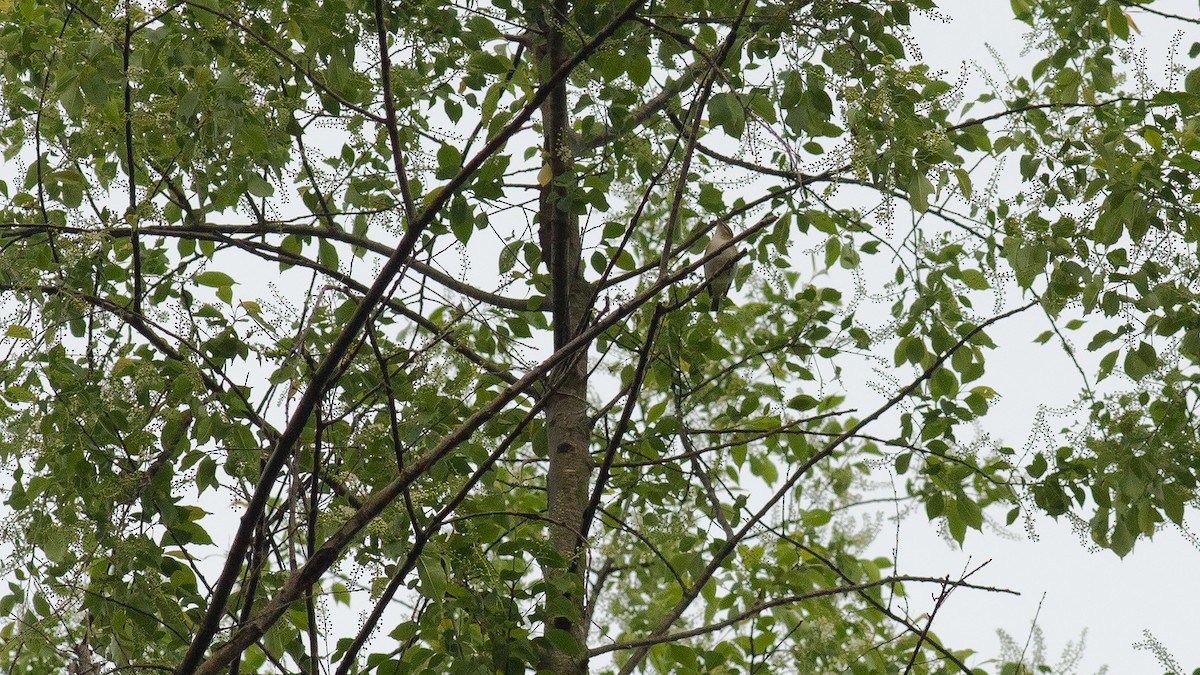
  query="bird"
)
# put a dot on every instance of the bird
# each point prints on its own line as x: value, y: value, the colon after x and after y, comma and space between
x: 719, y: 268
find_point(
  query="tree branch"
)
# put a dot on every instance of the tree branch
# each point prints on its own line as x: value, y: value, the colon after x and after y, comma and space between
x: 647, y: 642
x: 729, y: 546
x: 324, y: 375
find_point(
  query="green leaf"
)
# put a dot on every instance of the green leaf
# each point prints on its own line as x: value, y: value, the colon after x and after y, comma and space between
x: 891, y: 45
x: 1028, y: 260
x: 816, y: 517
x: 976, y: 404
x: 1153, y: 137
x: 725, y: 111
x: 970, y: 512
x: 327, y: 254
x: 563, y: 641
x: 1109, y: 227
x: 1012, y: 515
x: 964, y: 182
x: 1066, y: 86
x: 833, y: 251
x: 18, y: 331
x: 975, y: 279
x: 214, y: 279
x: 94, y: 85
x: 943, y: 384
x: 40, y: 605
x: 920, y: 189
x: 638, y: 67
x: 1141, y: 361
x: 259, y: 187
x: 914, y: 350
x: 956, y: 525
x: 1038, y: 466
x: 1117, y: 22
x: 1121, y: 541
x: 432, y: 574
x: 624, y: 260
x: 449, y: 159
x: 462, y: 220
x: 206, y: 475
x: 802, y: 402
x: 1175, y: 500
x: 1191, y: 83
x: 935, y: 505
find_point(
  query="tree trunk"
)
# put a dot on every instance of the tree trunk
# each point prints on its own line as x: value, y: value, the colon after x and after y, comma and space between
x: 568, y: 428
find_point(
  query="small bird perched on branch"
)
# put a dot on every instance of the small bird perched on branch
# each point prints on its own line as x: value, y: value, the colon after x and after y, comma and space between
x: 719, y: 269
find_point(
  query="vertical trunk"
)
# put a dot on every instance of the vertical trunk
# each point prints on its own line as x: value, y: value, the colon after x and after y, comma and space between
x: 567, y: 426
x: 567, y: 483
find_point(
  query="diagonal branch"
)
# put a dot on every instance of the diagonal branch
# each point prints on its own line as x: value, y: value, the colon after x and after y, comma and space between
x: 650, y: 641
x: 325, y: 373
x: 131, y: 215
x: 373, y: 505
x: 730, y: 546
x: 389, y: 106
x: 614, y: 443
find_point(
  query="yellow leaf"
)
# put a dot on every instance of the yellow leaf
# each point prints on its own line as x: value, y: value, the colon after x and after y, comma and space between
x: 545, y: 175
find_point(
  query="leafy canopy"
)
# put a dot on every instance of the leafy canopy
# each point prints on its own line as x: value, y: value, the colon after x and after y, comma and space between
x: 279, y: 392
